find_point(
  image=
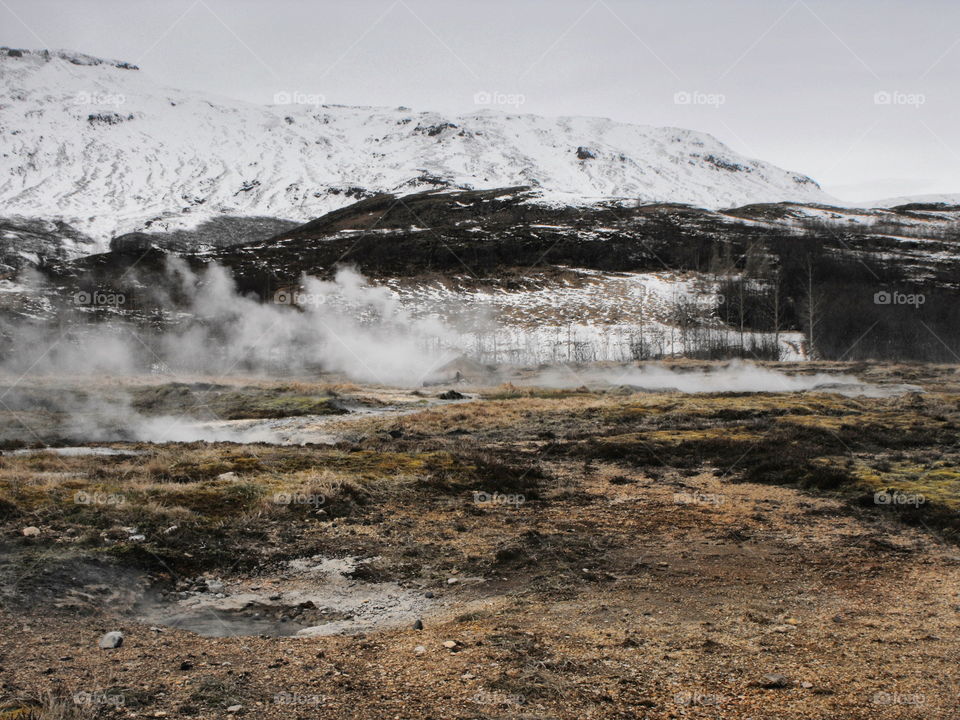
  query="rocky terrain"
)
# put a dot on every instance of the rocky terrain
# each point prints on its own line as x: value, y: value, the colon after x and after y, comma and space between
x: 512, y: 552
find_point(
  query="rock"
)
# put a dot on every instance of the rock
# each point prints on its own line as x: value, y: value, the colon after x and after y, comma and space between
x: 133, y: 242
x: 418, y: 625
x: 806, y: 685
x: 430, y: 595
x: 227, y: 476
x: 111, y: 640
x: 775, y: 681
x: 451, y: 395
x: 450, y: 644
x: 584, y: 153
x: 451, y: 581
x: 30, y: 531
x: 419, y: 649
x: 234, y: 709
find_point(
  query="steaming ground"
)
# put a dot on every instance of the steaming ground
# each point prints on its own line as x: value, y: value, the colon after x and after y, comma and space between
x: 46, y: 410
x: 735, y: 377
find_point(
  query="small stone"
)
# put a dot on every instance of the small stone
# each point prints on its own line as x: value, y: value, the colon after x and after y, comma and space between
x: 30, y: 531
x: 111, y: 640
x: 215, y: 586
x: 451, y: 581
x: 419, y: 649
x: 234, y: 709
x: 429, y: 595
x: 791, y: 621
x: 775, y: 681
x: 450, y: 644
x: 806, y: 685
x: 227, y: 476
x: 418, y: 625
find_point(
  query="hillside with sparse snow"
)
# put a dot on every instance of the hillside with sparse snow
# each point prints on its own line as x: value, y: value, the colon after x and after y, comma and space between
x: 99, y: 145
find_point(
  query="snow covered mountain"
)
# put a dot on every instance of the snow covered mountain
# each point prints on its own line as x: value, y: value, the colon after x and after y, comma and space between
x: 100, y: 146
x: 952, y: 199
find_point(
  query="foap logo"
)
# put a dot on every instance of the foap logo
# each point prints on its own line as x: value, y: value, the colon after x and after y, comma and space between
x: 887, y: 297
x: 485, y: 97
x: 486, y: 697
x: 895, y: 97
x: 286, y: 498
x: 695, y: 97
x: 288, y: 698
x: 92, y: 98
x: 294, y: 297
x: 689, y: 698
x: 896, y: 698
x: 81, y: 497
x: 510, y: 500
x: 898, y: 498
x: 99, y: 298
x: 97, y: 698
x: 295, y: 97
x: 699, y: 498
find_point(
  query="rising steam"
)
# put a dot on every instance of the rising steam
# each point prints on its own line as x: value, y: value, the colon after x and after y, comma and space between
x: 345, y: 326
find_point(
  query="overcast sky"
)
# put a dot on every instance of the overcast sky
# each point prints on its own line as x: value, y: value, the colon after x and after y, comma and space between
x: 861, y: 95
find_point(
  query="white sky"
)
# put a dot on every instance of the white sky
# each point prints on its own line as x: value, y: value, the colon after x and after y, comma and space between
x: 798, y: 78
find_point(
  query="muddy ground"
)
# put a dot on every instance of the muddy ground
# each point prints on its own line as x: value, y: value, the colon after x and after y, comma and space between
x: 587, y: 552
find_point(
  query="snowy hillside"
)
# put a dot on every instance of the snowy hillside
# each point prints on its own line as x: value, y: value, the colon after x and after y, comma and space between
x: 99, y: 145
x: 935, y: 199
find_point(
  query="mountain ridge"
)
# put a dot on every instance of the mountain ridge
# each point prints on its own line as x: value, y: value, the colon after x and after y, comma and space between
x: 109, y: 151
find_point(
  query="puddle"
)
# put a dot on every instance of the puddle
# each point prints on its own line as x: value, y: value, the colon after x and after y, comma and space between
x: 315, y: 596
x: 302, y: 429
x: 866, y: 390
x: 76, y: 451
